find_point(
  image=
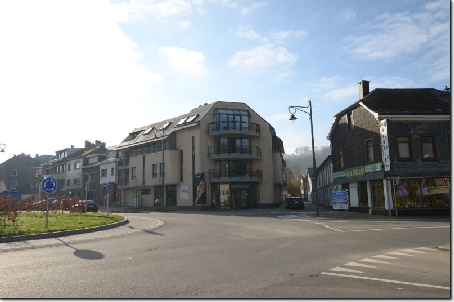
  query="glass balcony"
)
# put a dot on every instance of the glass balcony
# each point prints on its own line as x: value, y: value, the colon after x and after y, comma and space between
x: 228, y: 176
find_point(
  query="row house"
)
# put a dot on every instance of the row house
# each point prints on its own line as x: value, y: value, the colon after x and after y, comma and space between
x: 76, y: 171
x: 221, y: 155
x: 17, y: 175
x: 391, y: 150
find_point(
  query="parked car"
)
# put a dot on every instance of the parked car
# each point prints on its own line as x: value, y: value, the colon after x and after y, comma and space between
x: 294, y: 203
x: 89, y: 205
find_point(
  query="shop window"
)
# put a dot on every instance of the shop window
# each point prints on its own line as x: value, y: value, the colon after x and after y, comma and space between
x: 428, y: 148
x: 362, y: 194
x: 429, y: 192
x: 404, y: 148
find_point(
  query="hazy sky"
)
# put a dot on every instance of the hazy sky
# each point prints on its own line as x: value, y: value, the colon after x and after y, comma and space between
x: 81, y: 70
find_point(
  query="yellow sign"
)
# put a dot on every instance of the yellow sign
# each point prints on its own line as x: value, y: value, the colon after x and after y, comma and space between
x: 355, y: 172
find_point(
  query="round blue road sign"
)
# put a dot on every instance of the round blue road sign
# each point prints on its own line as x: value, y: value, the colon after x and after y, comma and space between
x: 49, y: 184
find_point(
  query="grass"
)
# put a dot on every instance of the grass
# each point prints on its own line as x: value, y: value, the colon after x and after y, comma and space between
x: 35, y: 222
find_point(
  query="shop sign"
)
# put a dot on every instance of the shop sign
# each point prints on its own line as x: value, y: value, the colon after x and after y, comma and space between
x: 385, y: 144
x: 359, y: 171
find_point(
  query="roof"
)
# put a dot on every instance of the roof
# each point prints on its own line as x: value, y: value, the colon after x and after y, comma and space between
x: 388, y: 102
x: 145, y: 134
x: 419, y: 101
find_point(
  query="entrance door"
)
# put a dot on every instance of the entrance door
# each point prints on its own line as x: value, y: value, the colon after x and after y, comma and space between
x: 240, y: 197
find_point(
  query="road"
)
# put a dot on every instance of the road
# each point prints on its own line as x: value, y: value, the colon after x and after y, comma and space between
x: 243, y: 254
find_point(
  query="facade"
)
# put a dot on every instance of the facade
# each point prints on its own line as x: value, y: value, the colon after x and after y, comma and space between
x: 391, y: 150
x: 221, y: 155
x: 325, y: 182
x: 17, y: 175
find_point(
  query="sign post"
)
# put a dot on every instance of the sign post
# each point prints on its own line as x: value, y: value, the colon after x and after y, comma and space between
x: 49, y: 185
x: 340, y: 199
x: 107, y: 199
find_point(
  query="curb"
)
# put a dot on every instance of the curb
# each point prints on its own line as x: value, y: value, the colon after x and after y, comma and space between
x: 64, y: 233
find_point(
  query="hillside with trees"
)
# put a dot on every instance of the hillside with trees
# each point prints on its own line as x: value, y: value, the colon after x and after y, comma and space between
x: 298, y: 162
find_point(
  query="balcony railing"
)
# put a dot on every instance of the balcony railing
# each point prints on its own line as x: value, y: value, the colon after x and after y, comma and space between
x: 123, y: 163
x: 232, y: 176
x: 249, y: 152
x: 250, y: 129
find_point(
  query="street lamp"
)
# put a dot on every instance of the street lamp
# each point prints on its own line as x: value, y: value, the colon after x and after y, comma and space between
x: 163, y: 164
x: 292, y: 110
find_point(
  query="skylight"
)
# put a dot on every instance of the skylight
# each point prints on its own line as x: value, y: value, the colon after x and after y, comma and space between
x: 191, y: 118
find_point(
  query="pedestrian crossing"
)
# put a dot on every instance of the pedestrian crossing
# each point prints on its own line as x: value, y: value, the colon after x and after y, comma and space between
x: 357, y: 269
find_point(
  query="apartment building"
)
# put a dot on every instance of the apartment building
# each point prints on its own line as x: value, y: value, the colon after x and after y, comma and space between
x: 221, y: 155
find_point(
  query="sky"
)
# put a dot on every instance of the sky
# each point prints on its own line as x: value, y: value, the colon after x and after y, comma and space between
x: 77, y: 70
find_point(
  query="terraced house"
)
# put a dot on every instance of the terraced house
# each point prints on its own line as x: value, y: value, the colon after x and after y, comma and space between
x: 391, y: 150
x: 221, y: 155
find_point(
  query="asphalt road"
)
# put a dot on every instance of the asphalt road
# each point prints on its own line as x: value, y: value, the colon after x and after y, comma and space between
x: 244, y: 254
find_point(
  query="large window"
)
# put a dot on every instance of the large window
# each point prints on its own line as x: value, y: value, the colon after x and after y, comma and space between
x: 103, y: 172
x: 133, y: 172
x: 428, y: 148
x: 154, y: 170
x: 162, y: 168
x: 403, y: 148
x: 228, y: 119
x: 229, y: 145
x: 423, y: 192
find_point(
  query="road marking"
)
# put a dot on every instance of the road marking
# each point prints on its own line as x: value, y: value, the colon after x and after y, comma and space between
x: 384, y: 257
x: 399, y: 254
x: 342, y: 269
x: 412, y: 251
x: 359, y: 264
x: 427, y: 249
x: 373, y: 261
x: 387, y: 280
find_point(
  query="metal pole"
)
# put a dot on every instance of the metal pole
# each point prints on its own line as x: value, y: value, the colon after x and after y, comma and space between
x: 107, y: 199
x: 47, y: 211
x: 313, y: 159
x: 163, y: 170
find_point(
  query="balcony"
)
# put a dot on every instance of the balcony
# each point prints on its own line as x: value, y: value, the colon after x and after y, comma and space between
x: 218, y: 176
x: 251, y: 129
x: 250, y: 152
x: 123, y: 164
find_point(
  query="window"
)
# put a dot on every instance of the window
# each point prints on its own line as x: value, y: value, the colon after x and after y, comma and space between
x: 370, y: 151
x: 349, y: 121
x: 68, y: 182
x: 103, y: 172
x: 162, y: 167
x: 77, y: 165
x: 112, y: 171
x: 94, y: 176
x: 13, y: 185
x: 69, y: 167
x: 76, y: 181
x: 403, y: 148
x: 145, y: 192
x: 427, y: 148
x: 154, y: 171
x: 340, y: 154
x: 133, y: 172
x: 13, y: 172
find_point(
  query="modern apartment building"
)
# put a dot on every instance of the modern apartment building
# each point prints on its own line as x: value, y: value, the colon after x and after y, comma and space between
x: 221, y: 155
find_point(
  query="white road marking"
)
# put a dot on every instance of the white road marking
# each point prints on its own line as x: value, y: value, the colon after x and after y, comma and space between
x: 387, y: 280
x: 359, y: 264
x: 399, y: 254
x: 342, y: 269
x: 384, y: 257
x: 427, y: 249
x: 373, y: 261
x: 412, y: 251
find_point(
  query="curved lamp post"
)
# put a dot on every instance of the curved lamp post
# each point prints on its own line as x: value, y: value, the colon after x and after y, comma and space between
x: 292, y: 110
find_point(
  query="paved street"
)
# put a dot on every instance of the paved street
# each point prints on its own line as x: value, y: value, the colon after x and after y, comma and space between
x: 275, y: 253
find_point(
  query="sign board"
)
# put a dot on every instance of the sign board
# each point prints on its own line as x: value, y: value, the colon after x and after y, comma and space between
x: 284, y: 184
x: 108, y: 187
x: 385, y: 144
x: 49, y: 184
x: 340, y: 200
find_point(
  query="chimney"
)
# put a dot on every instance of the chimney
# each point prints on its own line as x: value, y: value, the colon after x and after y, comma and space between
x: 363, y: 89
x: 446, y: 89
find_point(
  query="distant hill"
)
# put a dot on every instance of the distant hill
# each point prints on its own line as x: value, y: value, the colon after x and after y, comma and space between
x: 302, y: 159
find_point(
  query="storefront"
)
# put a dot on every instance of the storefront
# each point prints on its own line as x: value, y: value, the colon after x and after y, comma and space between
x: 234, y: 196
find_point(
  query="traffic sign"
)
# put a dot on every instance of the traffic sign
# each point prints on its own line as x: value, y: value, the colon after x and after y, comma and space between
x: 108, y: 187
x: 49, y: 184
x: 284, y: 184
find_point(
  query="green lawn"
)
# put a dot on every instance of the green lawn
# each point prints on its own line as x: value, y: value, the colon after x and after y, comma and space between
x: 35, y: 222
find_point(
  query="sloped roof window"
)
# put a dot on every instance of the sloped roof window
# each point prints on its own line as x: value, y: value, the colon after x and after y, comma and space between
x: 147, y: 131
x: 165, y: 126
x: 181, y: 122
x: 191, y: 118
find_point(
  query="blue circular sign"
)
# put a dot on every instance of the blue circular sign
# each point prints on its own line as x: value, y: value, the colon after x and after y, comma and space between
x: 49, y: 184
